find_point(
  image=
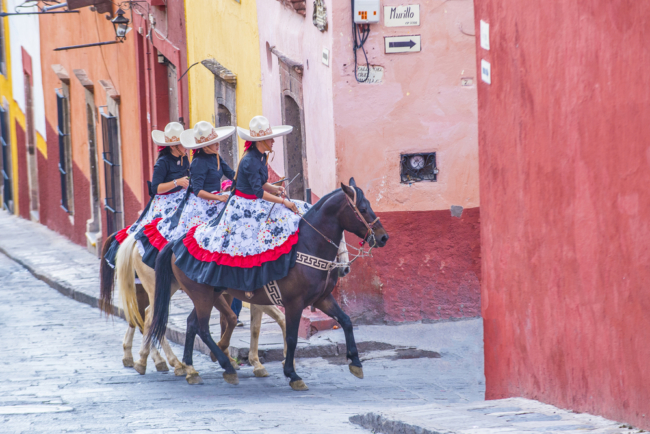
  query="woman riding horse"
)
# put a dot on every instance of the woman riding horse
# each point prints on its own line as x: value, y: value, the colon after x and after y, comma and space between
x: 254, y: 244
x: 247, y: 246
x: 170, y: 177
x: 205, y: 201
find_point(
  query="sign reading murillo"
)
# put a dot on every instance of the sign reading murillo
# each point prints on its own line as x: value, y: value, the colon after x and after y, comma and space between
x: 399, y: 16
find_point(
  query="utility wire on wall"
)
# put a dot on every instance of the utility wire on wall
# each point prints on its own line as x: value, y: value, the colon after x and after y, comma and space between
x: 360, y: 36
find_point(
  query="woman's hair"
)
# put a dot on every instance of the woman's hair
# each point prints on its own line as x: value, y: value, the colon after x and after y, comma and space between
x: 207, y: 151
x: 166, y: 150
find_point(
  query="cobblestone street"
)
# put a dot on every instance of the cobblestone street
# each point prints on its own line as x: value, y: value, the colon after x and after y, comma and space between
x: 63, y: 373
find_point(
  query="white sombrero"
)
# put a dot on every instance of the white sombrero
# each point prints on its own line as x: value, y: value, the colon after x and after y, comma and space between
x: 204, y: 134
x: 169, y: 137
x: 261, y: 130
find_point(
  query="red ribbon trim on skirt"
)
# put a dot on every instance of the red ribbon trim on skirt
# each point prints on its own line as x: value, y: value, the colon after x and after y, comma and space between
x: 250, y: 261
x: 245, y: 196
x: 120, y: 236
x: 155, y: 238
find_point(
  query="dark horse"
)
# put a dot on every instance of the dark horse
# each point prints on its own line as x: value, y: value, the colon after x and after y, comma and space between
x: 321, y: 230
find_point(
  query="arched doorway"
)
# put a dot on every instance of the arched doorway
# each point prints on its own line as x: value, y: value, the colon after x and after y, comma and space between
x: 294, y: 150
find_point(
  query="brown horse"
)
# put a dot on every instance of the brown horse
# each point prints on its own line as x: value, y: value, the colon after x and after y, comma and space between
x: 321, y: 230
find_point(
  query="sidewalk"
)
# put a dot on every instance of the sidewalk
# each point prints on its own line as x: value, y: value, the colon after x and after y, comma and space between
x: 73, y: 271
x: 513, y: 415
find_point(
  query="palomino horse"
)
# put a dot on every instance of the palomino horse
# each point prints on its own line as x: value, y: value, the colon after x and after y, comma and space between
x: 321, y: 230
x: 136, y: 300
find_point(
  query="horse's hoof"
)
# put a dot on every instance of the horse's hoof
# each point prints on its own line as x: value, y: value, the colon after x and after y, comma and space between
x: 140, y: 368
x: 262, y: 372
x: 298, y: 385
x: 235, y: 365
x: 180, y: 371
x: 127, y: 362
x: 194, y: 379
x: 162, y: 366
x: 231, y: 378
x: 356, y: 371
x: 213, y: 357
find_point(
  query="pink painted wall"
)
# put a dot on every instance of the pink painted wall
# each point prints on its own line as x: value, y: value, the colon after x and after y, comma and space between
x: 565, y: 215
x: 297, y: 38
x: 430, y: 270
x: 419, y: 107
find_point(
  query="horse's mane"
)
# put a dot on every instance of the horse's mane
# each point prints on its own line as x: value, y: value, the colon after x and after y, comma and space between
x: 314, y: 209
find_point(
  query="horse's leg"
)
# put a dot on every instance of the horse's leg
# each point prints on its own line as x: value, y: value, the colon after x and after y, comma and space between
x: 127, y: 344
x: 143, y: 303
x: 330, y: 307
x: 278, y: 316
x: 192, y: 376
x: 293, y: 314
x: 228, y: 322
x: 253, y: 355
x: 203, y: 307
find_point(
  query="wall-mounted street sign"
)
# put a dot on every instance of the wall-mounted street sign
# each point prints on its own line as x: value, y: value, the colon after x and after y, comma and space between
x: 376, y: 74
x: 402, y: 44
x: 398, y: 16
x: 326, y: 57
x: 486, y: 71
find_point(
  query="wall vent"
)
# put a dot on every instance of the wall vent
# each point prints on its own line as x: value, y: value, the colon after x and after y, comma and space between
x: 418, y: 167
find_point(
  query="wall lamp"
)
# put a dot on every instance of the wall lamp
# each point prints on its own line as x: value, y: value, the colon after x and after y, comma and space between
x: 121, y: 26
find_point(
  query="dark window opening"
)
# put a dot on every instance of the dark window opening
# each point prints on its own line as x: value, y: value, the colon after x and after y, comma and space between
x: 65, y: 157
x: 7, y: 188
x: 111, y: 172
x: 418, y: 167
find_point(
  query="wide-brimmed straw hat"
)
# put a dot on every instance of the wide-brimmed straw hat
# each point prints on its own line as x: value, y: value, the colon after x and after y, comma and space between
x: 170, y: 137
x: 259, y: 129
x: 204, y: 134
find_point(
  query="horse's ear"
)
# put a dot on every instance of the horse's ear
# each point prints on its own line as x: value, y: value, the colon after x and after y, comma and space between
x: 348, y: 190
x: 352, y: 183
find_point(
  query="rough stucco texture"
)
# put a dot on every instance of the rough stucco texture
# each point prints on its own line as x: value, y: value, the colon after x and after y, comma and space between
x: 565, y: 204
x: 429, y: 270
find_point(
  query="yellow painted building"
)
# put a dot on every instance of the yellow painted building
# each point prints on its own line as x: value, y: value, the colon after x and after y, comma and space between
x: 9, y: 111
x: 13, y: 116
x: 227, y: 88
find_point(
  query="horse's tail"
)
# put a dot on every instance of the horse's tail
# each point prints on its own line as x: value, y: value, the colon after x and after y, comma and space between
x: 164, y: 276
x: 126, y: 282
x: 106, y: 279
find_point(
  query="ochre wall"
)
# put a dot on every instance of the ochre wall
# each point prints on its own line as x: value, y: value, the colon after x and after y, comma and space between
x: 227, y: 32
x: 114, y: 63
x: 565, y: 204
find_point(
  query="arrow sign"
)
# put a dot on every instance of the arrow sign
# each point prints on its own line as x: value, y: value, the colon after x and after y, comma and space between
x: 402, y: 44
x: 409, y: 44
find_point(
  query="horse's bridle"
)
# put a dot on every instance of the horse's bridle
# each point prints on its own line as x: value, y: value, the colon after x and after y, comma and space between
x: 369, y: 226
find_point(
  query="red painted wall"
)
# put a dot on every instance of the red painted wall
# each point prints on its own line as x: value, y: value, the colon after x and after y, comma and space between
x: 429, y: 270
x: 49, y: 184
x: 565, y: 204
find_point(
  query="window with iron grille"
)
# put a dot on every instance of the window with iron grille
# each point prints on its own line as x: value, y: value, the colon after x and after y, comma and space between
x: 7, y: 188
x: 418, y: 167
x: 112, y: 175
x: 65, y: 150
